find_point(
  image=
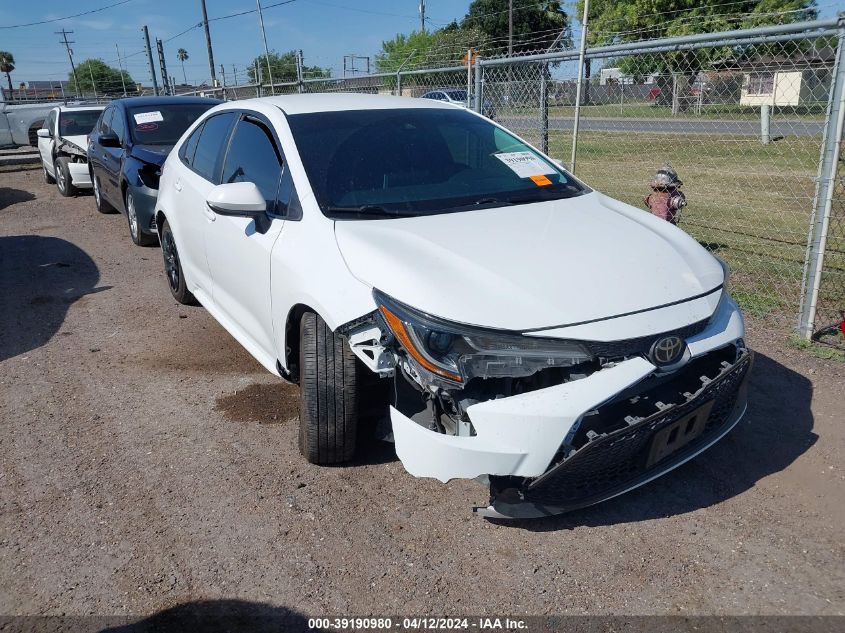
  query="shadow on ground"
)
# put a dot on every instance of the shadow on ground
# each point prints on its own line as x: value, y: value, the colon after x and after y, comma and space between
x: 777, y: 429
x: 40, y: 277
x: 9, y: 196
x: 219, y: 616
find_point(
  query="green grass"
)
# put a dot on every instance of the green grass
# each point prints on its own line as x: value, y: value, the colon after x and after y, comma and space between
x: 748, y: 203
x: 819, y: 351
x: 649, y: 109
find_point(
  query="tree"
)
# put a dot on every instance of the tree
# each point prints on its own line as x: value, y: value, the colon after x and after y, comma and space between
x: 107, y: 80
x: 537, y: 25
x: 441, y: 48
x: 283, y: 67
x: 182, y: 56
x: 7, y: 65
x: 611, y: 21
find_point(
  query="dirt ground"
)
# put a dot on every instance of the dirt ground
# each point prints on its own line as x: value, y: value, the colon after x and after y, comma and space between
x: 147, y: 461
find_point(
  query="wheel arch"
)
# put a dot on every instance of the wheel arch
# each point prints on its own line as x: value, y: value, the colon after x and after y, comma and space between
x: 290, y: 368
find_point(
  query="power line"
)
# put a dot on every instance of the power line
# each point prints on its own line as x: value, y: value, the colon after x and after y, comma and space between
x: 17, y: 26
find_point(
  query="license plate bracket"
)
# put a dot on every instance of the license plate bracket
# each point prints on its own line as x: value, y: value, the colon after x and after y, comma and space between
x: 678, y: 434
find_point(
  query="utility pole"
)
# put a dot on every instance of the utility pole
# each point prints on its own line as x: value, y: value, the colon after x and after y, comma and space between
x: 235, y: 73
x: 120, y: 65
x: 510, y: 28
x: 299, y: 85
x: 208, y: 45
x: 150, y: 59
x: 266, y: 51
x: 163, y: 65
x: 422, y: 16
x: 93, y: 83
x: 223, y: 77
x: 67, y: 44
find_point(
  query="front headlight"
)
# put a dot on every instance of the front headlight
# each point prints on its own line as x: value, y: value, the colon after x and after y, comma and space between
x: 459, y: 353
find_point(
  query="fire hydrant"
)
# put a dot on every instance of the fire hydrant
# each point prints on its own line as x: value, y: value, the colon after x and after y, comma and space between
x: 666, y: 198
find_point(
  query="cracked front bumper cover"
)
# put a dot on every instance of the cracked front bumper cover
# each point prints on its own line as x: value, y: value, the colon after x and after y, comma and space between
x: 617, y: 462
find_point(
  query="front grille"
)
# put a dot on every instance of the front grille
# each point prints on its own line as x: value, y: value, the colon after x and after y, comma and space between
x: 641, y: 345
x: 611, y: 462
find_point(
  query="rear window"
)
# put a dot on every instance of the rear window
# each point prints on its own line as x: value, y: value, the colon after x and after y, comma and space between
x: 78, y: 122
x: 163, y: 124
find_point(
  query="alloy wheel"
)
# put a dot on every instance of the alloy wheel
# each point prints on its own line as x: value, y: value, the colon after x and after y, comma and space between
x: 171, y: 260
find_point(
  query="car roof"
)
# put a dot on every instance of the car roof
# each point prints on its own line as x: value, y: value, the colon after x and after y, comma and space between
x: 136, y: 102
x: 336, y: 102
x: 71, y: 108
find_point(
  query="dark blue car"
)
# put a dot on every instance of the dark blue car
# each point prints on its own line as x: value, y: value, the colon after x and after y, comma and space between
x: 126, y: 150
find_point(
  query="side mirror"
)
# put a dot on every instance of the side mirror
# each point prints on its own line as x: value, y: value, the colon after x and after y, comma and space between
x: 44, y: 133
x: 241, y: 199
x: 109, y: 140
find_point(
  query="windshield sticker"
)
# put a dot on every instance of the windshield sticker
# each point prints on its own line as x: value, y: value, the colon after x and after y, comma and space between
x: 148, y: 117
x: 525, y: 164
x: 146, y: 127
x: 541, y: 181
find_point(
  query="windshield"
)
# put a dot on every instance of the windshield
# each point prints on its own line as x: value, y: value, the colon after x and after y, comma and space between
x: 163, y: 124
x: 77, y: 122
x: 403, y: 162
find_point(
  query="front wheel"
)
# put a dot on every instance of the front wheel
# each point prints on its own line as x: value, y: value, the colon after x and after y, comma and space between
x: 63, y: 179
x: 173, y: 268
x: 328, y: 414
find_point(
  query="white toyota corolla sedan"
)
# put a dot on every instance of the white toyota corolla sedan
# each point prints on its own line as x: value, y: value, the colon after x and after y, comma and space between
x: 409, y: 256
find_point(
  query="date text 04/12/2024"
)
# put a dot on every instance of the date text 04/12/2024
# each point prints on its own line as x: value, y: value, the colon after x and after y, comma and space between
x: 421, y: 623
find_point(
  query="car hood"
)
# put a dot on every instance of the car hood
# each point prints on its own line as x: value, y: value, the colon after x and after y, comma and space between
x: 80, y: 140
x: 530, y: 266
x: 155, y: 154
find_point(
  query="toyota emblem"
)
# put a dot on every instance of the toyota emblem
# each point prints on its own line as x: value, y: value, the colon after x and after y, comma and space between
x: 667, y: 350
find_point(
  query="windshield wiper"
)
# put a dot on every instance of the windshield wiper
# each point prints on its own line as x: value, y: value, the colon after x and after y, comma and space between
x: 367, y: 210
x: 482, y: 203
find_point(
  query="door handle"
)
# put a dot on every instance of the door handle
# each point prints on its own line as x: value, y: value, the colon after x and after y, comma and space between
x: 209, y: 214
x: 177, y: 186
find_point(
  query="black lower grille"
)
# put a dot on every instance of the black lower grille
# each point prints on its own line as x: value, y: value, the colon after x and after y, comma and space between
x: 616, y: 460
x: 641, y: 345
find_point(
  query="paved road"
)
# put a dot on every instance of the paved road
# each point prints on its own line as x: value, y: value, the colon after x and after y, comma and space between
x: 672, y: 126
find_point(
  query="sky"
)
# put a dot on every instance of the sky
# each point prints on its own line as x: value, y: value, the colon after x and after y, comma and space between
x: 325, y: 30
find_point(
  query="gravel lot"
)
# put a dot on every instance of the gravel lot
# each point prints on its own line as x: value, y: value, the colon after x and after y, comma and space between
x: 148, y: 461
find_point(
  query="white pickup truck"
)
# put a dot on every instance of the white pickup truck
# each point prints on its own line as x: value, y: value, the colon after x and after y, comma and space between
x: 20, y: 122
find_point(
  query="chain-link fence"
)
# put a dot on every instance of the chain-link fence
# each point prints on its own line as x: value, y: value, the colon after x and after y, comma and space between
x: 751, y: 120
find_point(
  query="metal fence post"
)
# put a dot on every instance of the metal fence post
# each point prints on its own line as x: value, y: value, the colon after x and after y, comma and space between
x: 479, y: 91
x: 544, y: 108
x: 399, y: 83
x: 581, y: 57
x: 820, y: 220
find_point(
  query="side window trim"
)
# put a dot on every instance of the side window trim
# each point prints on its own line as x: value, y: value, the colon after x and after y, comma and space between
x: 188, y: 160
x: 262, y: 121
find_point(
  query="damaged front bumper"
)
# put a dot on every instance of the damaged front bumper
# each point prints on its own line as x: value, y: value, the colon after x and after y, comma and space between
x: 581, y: 442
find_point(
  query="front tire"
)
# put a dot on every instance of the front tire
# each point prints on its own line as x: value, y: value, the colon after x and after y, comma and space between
x: 63, y: 180
x: 173, y: 268
x: 139, y: 238
x: 328, y: 415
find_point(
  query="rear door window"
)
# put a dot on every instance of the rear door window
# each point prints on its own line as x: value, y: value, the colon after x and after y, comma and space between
x: 253, y: 157
x: 211, y: 146
x: 186, y: 152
